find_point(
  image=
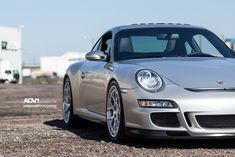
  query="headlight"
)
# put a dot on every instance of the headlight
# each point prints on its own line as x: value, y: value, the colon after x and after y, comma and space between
x: 149, y: 80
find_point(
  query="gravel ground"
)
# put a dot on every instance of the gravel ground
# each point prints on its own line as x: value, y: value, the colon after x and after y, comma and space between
x: 39, y: 131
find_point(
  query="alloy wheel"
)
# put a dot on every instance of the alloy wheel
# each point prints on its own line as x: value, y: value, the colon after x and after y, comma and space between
x: 113, y: 111
x: 67, y: 102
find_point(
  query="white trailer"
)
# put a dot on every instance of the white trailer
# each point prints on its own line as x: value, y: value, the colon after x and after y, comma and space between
x: 7, y: 74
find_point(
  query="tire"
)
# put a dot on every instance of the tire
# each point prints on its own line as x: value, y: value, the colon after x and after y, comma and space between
x: 6, y: 82
x: 68, y: 116
x: 114, y: 113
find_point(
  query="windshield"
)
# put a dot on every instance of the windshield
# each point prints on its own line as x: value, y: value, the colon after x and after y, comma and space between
x: 168, y: 42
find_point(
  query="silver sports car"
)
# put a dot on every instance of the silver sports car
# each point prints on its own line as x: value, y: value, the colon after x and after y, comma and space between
x: 155, y: 80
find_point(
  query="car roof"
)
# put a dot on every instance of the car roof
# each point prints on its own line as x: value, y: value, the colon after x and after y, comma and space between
x: 154, y: 25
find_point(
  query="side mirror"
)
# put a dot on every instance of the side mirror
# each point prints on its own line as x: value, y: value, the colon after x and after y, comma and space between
x: 96, y: 56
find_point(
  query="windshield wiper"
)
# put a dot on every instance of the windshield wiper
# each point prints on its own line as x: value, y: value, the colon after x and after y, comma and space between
x: 138, y: 57
x: 199, y: 54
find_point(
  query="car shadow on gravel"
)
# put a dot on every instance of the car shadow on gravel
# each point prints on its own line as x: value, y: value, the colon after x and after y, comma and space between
x: 85, y: 129
x: 92, y: 131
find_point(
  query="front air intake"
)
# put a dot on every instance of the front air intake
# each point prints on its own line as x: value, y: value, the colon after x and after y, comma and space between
x: 216, y: 121
x: 165, y: 119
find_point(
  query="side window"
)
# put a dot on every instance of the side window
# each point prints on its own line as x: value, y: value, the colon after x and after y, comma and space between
x: 8, y: 72
x: 97, y: 46
x: 107, y: 44
x: 206, y: 46
x: 188, y: 48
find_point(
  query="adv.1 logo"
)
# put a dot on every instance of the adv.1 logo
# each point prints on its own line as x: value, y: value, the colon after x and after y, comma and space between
x: 31, y: 100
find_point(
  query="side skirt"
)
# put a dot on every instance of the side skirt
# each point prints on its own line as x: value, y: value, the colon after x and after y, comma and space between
x: 91, y: 116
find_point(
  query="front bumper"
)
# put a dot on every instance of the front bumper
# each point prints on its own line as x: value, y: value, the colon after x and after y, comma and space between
x: 190, y: 104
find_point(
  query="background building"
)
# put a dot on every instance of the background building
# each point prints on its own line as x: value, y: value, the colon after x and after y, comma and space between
x: 59, y: 64
x: 31, y: 71
x: 10, y: 49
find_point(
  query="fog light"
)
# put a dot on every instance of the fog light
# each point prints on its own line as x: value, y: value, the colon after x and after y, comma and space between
x: 157, y: 103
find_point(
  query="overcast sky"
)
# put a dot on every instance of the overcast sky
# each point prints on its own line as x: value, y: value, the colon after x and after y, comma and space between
x: 52, y: 27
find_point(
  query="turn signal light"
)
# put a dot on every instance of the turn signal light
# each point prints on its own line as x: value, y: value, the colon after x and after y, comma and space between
x: 157, y: 104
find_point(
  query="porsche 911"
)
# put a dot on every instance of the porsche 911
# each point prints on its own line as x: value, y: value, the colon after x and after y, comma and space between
x: 154, y: 80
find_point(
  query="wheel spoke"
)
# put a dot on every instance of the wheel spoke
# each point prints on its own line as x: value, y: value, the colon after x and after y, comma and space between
x: 110, y: 108
x: 67, y: 107
x: 114, y: 123
x: 110, y: 117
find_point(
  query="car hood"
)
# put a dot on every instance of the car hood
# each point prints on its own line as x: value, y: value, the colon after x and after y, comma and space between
x: 193, y: 72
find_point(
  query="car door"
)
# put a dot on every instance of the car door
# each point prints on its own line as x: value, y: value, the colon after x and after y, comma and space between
x: 94, y: 79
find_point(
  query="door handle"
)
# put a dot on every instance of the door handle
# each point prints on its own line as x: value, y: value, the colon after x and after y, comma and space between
x: 109, y: 66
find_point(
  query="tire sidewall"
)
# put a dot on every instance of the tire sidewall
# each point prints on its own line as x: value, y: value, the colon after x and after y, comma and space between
x: 69, y: 123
